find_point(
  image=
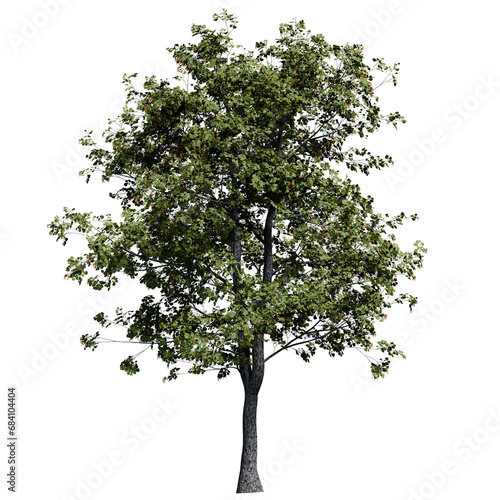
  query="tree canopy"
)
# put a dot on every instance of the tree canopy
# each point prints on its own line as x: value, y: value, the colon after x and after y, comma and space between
x: 235, y: 211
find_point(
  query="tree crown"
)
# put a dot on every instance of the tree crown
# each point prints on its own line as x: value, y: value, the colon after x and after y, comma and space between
x: 201, y: 167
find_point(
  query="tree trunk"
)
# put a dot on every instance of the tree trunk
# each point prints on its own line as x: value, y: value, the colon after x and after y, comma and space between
x: 249, y: 481
x: 251, y: 368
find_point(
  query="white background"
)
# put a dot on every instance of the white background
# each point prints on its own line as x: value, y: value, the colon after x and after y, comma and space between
x: 351, y: 437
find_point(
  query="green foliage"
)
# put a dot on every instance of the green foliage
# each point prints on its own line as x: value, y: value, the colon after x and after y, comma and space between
x: 129, y: 366
x: 89, y: 341
x: 201, y: 166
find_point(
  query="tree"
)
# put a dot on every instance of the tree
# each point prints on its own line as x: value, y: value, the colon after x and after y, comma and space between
x: 235, y: 218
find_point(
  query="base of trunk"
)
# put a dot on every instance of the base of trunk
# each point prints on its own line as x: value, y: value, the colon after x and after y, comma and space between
x: 249, y: 482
